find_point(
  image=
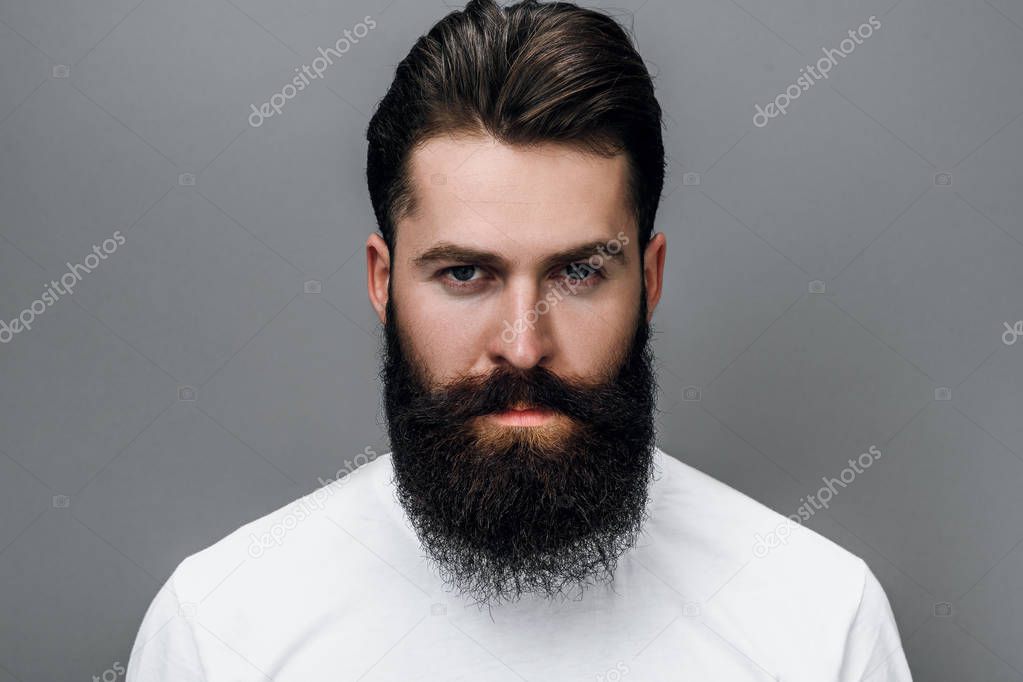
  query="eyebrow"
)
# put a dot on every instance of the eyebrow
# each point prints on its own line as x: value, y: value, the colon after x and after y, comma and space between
x: 453, y: 253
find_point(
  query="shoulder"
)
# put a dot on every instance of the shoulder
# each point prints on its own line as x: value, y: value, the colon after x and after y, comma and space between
x: 255, y: 593
x: 796, y: 594
x: 292, y: 540
x: 724, y: 521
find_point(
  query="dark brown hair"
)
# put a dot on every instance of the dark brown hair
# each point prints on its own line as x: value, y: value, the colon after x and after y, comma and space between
x: 525, y: 74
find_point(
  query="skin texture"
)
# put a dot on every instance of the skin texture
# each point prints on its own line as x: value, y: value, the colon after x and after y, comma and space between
x: 520, y: 205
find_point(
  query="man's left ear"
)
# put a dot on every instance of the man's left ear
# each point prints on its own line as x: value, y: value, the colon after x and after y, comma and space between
x: 653, y: 271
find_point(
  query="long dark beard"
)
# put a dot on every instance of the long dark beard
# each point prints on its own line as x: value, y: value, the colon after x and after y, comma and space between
x: 504, y: 511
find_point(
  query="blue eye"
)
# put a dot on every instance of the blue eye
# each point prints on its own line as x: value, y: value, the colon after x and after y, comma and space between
x: 580, y: 271
x: 463, y: 273
x: 463, y: 278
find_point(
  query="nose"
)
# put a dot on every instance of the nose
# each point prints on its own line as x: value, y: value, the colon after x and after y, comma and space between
x: 522, y: 335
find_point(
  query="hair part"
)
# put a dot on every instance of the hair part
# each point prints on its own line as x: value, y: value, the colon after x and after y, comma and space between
x: 527, y: 74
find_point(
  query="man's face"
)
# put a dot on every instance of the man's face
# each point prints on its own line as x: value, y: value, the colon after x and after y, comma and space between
x: 517, y: 378
x: 521, y: 207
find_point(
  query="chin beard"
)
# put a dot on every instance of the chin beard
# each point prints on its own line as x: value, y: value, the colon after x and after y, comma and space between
x: 503, y: 511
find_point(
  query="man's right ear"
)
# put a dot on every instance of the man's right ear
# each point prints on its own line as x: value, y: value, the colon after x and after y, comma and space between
x: 378, y: 274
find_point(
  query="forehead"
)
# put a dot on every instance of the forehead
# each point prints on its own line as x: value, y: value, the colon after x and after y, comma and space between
x: 478, y: 191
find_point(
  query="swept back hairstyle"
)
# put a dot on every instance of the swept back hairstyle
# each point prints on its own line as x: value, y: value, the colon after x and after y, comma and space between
x: 526, y: 74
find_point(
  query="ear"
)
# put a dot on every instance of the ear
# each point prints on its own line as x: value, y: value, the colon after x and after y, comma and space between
x: 653, y: 271
x: 378, y: 274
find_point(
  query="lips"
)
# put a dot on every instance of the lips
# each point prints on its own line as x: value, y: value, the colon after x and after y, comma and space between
x: 523, y: 415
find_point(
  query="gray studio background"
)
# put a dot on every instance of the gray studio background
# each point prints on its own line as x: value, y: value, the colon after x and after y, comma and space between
x: 839, y: 278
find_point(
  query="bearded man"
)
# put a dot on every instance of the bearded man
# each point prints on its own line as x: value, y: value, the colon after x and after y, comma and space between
x: 524, y: 525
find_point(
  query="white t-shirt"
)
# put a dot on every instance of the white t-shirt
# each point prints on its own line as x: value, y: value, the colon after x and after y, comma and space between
x: 335, y: 587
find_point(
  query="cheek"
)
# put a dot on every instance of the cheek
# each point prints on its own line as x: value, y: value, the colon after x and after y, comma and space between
x: 447, y: 338
x: 590, y: 333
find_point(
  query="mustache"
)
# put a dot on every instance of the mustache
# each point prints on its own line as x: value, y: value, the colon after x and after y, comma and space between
x: 593, y: 403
